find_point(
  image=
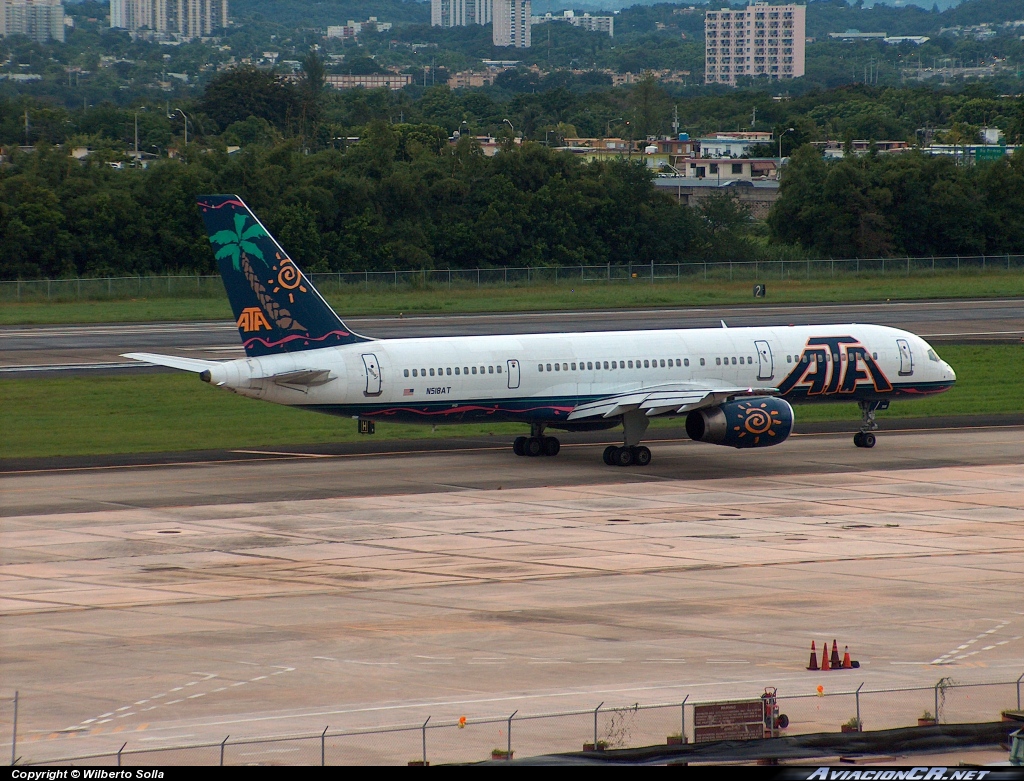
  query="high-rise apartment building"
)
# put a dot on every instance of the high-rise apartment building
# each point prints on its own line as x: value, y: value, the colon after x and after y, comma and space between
x: 459, y: 13
x: 40, y: 20
x: 182, y: 18
x: 763, y: 40
x: 511, y: 25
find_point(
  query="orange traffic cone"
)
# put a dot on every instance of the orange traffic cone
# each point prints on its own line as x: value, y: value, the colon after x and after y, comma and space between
x: 824, y: 657
x: 847, y: 664
x: 813, y: 664
x: 834, y: 662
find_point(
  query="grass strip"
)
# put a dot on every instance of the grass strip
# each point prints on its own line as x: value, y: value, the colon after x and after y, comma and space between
x: 434, y: 299
x: 170, y: 412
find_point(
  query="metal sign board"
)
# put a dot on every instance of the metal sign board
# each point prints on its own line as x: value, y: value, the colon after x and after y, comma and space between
x: 740, y: 720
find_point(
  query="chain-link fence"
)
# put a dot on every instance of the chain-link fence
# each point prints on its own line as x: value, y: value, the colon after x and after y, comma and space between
x: 603, y: 727
x: 110, y: 288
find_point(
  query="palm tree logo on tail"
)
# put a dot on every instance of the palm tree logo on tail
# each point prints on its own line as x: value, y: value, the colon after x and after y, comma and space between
x: 239, y: 246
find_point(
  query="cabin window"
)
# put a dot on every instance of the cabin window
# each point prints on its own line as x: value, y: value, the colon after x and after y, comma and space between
x: 557, y: 368
x: 548, y: 367
x: 499, y: 368
x: 482, y: 370
x: 718, y: 361
x: 415, y: 373
x: 875, y: 356
x: 686, y: 361
x: 474, y: 370
x: 734, y: 360
x: 574, y: 366
x: 448, y: 371
x: 540, y: 367
x: 406, y: 372
x: 615, y: 365
x: 647, y: 364
x: 606, y: 364
x: 490, y: 370
x: 456, y: 369
x: 431, y: 372
x: 663, y: 363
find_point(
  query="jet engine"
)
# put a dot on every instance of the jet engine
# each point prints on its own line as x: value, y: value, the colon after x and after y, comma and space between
x: 760, y: 421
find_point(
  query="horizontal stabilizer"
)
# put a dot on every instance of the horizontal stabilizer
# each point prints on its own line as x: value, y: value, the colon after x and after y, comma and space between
x: 670, y: 398
x: 173, y: 361
x: 311, y: 377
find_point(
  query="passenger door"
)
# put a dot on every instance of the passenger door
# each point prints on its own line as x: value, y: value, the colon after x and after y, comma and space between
x: 513, y: 374
x: 373, y: 378
x: 765, y: 362
x: 906, y: 358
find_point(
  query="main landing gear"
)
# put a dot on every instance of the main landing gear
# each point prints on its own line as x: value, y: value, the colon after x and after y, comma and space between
x: 632, y: 453
x: 627, y: 456
x: 865, y: 437
x: 536, y: 444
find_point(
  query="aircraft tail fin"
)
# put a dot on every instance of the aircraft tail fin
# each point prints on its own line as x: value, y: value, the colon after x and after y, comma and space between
x: 276, y: 307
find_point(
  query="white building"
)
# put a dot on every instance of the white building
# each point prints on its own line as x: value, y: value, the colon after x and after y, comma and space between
x: 511, y: 23
x: 763, y: 40
x: 40, y: 20
x: 183, y: 18
x: 460, y: 13
x: 597, y: 24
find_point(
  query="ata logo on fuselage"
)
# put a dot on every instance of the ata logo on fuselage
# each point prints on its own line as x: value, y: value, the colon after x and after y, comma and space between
x: 252, y: 319
x: 831, y: 365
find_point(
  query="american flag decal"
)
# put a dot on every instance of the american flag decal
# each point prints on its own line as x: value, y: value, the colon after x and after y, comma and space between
x: 408, y: 392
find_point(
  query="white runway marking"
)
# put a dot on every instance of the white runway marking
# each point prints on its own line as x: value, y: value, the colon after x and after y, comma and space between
x: 952, y: 657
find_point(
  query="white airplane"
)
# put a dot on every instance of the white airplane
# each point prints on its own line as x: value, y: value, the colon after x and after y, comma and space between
x: 733, y: 386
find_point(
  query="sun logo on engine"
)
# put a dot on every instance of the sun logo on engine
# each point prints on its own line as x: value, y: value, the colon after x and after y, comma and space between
x: 756, y: 421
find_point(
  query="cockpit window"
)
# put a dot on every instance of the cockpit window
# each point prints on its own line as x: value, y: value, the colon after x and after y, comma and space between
x: 932, y: 356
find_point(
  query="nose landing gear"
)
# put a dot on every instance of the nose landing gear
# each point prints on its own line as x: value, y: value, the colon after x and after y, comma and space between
x: 865, y: 438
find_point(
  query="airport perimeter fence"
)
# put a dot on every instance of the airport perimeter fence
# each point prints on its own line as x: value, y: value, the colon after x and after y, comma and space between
x: 193, y: 286
x: 466, y: 740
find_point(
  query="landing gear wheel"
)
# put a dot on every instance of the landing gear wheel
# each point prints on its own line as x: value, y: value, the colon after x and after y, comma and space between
x: 858, y: 439
x: 519, y: 446
x: 609, y: 455
x: 551, y: 446
x: 534, y: 446
x: 641, y: 456
x: 868, y: 439
x: 623, y: 456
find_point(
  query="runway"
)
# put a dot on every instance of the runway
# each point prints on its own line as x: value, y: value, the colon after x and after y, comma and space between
x: 177, y: 603
x: 27, y: 351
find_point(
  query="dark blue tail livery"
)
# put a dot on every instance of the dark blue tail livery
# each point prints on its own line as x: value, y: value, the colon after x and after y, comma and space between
x: 276, y: 307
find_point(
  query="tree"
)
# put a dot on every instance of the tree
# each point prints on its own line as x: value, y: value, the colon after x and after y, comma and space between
x: 236, y: 95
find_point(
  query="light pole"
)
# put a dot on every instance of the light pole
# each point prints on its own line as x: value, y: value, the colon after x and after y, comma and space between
x: 608, y: 125
x: 179, y: 111
x: 787, y: 130
x: 137, y: 131
x: 512, y: 130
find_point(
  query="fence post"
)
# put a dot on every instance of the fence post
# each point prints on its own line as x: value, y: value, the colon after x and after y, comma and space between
x: 509, y: 734
x: 595, y: 725
x: 682, y: 720
x: 222, y: 743
x: 1018, y: 693
x: 860, y: 724
x: 323, y: 745
x: 424, y: 728
x: 13, y: 736
x: 119, y: 753
x: 478, y: 277
x: 937, y: 702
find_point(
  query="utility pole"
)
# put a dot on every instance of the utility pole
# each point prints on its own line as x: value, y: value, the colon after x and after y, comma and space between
x: 26, y: 127
x: 675, y: 120
x: 753, y: 118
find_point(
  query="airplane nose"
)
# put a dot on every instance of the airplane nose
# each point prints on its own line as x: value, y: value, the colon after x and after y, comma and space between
x: 950, y: 372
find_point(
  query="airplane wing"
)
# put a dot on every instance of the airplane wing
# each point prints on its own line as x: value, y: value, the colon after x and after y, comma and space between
x: 172, y: 361
x: 669, y: 398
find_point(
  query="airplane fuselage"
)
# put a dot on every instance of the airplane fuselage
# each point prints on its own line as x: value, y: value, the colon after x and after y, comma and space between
x: 541, y: 378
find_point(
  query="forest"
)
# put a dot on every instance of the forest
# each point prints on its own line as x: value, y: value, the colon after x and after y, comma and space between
x: 391, y: 192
